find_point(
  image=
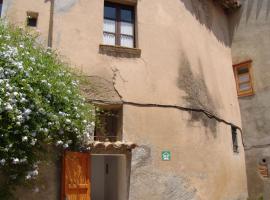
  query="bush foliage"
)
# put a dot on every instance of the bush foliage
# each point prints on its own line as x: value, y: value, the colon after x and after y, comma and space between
x: 40, y: 104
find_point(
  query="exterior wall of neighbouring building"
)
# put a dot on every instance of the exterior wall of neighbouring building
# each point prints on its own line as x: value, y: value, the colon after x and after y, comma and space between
x: 251, y: 42
x: 185, y: 61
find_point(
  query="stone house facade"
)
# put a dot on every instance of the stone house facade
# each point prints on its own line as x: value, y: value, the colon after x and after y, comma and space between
x: 250, y: 51
x: 162, y: 69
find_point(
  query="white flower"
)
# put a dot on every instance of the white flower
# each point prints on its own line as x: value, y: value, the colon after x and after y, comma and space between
x: 24, y: 160
x: 2, y: 162
x: 23, y: 100
x: 68, y: 121
x: 35, y: 172
x: 41, y: 110
x: 7, y: 37
x: 59, y: 142
x: 27, y: 111
x: 24, y: 138
x: 32, y: 59
x: 33, y: 142
x: 65, y: 146
x: 15, y: 161
x: 28, y: 177
x: 31, y: 174
x: 20, y: 118
x: 8, y: 107
x: 62, y: 114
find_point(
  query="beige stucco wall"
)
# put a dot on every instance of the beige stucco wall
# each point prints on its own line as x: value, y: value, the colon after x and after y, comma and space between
x: 251, y: 41
x: 185, y: 61
x: 15, y: 11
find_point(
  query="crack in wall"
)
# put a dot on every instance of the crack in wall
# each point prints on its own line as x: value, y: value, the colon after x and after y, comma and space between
x: 197, y: 93
x: 115, y: 71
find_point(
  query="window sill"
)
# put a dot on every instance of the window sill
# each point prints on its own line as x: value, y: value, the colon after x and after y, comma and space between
x: 246, y: 94
x: 119, y: 51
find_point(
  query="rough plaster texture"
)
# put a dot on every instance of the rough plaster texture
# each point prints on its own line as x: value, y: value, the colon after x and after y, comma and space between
x: 15, y: 11
x: 194, y: 164
x: 64, y: 6
x: 47, y: 185
x: 251, y: 41
x: 186, y: 61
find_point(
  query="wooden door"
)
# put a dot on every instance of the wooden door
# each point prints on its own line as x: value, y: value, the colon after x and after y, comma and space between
x: 75, y: 176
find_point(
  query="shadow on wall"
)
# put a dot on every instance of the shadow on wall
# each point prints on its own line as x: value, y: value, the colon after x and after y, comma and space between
x: 197, y: 94
x: 250, y: 5
x: 203, y: 11
x: 260, y: 8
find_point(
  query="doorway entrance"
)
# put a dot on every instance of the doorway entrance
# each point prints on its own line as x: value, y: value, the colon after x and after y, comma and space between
x: 108, y: 177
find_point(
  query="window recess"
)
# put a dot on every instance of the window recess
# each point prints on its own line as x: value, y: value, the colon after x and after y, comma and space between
x: 243, y: 78
x: 234, y: 139
x: 108, y: 124
x: 32, y: 19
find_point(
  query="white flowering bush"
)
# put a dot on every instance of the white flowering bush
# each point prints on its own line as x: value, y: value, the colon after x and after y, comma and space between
x: 40, y: 104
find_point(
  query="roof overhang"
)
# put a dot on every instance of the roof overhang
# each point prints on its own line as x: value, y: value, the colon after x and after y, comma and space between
x: 110, y: 147
x: 229, y: 4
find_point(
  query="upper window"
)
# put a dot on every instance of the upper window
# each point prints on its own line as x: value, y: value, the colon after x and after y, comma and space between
x: 243, y: 78
x: 119, y: 28
x: 1, y: 4
x: 32, y: 18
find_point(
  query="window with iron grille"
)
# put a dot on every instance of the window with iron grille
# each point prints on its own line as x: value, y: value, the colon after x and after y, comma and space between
x: 119, y: 26
x: 234, y: 139
x: 109, y: 124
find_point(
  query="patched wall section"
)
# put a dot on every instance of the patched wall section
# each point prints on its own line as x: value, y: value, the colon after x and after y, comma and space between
x: 157, y: 185
x: 48, y: 183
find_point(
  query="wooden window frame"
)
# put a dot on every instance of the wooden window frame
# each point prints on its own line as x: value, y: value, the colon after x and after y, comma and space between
x: 118, y: 21
x: 248, y: 65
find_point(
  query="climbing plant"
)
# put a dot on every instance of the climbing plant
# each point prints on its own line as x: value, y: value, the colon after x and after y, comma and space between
x: 40, y: 105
